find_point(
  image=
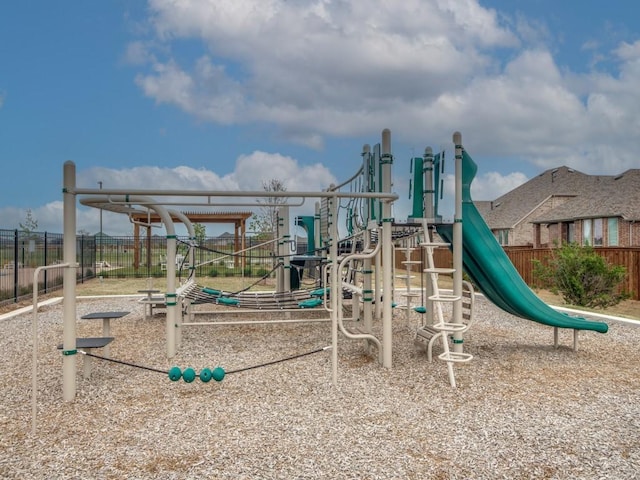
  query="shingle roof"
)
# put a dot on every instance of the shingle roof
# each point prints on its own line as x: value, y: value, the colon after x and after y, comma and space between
x: 574, y: 194
x: 610, y: 196
x: 512, y: 207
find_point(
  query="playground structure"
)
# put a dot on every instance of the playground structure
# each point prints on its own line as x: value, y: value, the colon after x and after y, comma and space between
x: 375, y: 200
x: 369, y: 232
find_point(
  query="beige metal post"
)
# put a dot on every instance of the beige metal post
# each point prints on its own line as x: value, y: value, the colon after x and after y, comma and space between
x: 69, y: 283
x: 387, y: 254
x: 457, y: 242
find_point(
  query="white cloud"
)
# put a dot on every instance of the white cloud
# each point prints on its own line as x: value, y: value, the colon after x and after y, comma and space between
x: 424, y: 68
x: 138, y: 53
x: 492, y: 185
x: 48, y: 217
x: 250, y: 170
x: 318, y: 68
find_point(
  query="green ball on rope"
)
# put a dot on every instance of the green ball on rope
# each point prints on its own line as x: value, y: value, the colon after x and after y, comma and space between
x: 205, y: 375
x: 175, y: 374
x: 218, y: 374
x: 189, y: 375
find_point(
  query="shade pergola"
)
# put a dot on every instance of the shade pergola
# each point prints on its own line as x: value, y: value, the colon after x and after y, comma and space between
x: 147, y: 219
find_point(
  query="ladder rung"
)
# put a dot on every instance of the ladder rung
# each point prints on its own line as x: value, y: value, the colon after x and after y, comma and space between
x: 435, y: 244
x: 426, y: 332
x: 412, y: 262
x: 355, y: 330
x: 446, y: 271
x: 450, y: 327
x: 444, y: 298
x: 455, y: 357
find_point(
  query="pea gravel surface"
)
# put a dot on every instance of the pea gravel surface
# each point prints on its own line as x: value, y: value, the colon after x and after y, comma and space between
x: 522, y: 409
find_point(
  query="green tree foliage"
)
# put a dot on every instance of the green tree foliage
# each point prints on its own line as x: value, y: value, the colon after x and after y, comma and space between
x: 200, y: 233
x: 581, y: 276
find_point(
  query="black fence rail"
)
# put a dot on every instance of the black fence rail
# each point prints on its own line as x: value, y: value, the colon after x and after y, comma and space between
x: 120, y: 257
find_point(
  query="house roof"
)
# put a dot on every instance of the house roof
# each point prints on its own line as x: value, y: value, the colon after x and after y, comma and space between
x: 566, y: 194
x: 610, y: 196
x: 514, y: 206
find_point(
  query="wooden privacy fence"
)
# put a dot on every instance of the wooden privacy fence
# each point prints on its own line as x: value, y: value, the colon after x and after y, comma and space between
x: 522, y: 259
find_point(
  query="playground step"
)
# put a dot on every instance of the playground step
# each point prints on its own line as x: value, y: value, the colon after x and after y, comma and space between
x: 435, y: 244
x: 439, y: 270
x: 426, y: 332
x: 356, y: 330
x: 455, y: 357
x: 450, y: 327
x: 443, y: 297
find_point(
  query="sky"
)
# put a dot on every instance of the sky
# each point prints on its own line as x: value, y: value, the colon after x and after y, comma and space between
x: 228, y: 94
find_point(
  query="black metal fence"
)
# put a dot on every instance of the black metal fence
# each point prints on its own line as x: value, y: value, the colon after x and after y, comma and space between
x: 22, y: 252
x: 111, y: 256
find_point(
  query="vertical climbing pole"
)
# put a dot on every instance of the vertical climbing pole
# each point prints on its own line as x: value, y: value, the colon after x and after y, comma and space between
x: 284, y: 280
x: 457, y: 242
x: 371, y: 166
x: 69, y: 283
x: 429, y: 213
x: 335, y: 285
x: 317, y: 239
x: 367, y: 265
x: 386, y: 160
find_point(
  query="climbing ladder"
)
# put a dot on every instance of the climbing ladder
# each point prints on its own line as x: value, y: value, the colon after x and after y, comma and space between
x: 438, y: 298
x: 407, y: 276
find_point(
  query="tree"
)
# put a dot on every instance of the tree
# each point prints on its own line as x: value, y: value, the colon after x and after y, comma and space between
x: 200, y: 232
x: 265, y: 222
x: 30, y: 224
x: 28, y: 228
x: 581, y: 276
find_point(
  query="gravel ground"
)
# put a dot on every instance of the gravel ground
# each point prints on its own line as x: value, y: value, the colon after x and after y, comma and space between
x: 522, y: 409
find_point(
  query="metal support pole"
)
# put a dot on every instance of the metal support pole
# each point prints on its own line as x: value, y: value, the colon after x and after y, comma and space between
x: 69, y: 284
x: 100, y: 248
x: 429, y: 214
x: 284, y: 246
x: 335, y: 284
x: 457, y: 243
x: 387, y: 254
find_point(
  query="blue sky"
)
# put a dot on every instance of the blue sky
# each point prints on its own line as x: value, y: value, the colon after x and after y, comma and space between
x: 226, y: 94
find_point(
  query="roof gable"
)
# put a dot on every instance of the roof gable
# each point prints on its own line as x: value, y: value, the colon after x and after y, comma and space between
x: 514, y: 206
x: 563, y: 194
x: 612, y: 196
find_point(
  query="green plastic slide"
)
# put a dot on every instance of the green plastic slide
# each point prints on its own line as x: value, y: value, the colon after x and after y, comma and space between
x: 489, y: 267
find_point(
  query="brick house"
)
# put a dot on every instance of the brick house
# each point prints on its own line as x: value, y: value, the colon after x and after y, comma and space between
x: 563, y: 204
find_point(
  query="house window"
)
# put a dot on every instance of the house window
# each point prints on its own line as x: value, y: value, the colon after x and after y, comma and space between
x: 571, y: 232
x: 612, y: 230
x: 586, y: 231
x: 597, y: 232
x: 502, y: 236
x: 568, y: 232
